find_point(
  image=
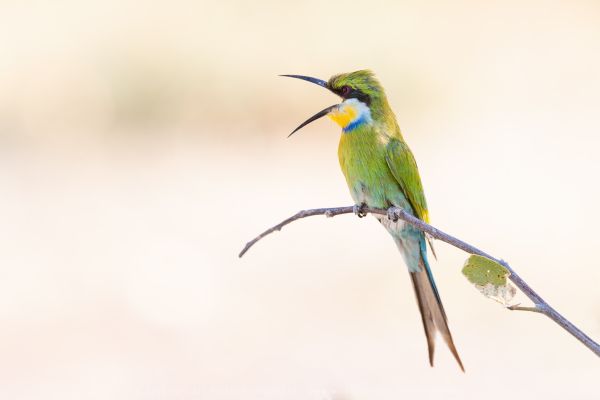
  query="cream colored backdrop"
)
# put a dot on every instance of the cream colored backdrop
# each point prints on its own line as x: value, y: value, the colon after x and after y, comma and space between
x: 141, y: 145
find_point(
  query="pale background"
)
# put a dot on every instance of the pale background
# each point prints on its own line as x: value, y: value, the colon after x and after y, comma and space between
x: 141, y: 145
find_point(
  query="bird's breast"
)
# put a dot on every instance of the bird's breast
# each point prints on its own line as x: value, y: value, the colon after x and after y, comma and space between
x: 362, y: 159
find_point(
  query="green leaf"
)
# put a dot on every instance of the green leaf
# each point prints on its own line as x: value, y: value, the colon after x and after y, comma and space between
x: 490, y: 278
x: 481, y: 270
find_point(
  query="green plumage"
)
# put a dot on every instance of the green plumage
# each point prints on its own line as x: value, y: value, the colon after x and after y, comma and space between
x: 381, y: 171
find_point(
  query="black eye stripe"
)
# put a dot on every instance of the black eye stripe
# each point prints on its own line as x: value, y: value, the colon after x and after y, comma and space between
x: 348, y: 92
x: 360, y: 96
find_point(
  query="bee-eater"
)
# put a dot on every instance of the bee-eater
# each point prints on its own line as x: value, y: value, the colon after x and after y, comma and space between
x: 381, y: 172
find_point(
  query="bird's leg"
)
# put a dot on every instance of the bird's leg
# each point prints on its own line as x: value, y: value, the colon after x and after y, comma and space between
x: 359, y: 210
x: 391, y: 214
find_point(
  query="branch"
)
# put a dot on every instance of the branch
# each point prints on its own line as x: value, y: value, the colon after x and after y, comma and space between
x: 396, y: 213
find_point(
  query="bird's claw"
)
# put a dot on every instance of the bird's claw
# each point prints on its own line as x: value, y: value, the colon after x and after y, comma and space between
x: 391, y: 214
x: 359, y: 210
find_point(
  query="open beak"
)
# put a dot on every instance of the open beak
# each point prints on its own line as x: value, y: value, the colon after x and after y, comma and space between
x: 321, y: 113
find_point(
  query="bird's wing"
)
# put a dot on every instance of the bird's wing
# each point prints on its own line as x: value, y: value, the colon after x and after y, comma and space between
x: 402, y: 163
x: 403, y: 166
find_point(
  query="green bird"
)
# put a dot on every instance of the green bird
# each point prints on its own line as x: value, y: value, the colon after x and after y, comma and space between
x: 381, y: 172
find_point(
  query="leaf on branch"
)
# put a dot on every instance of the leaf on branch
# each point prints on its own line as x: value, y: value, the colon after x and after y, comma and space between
x: 490, y: 278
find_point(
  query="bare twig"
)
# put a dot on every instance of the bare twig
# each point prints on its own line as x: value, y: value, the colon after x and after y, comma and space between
x: 398, y: 213
x: 517, y: 307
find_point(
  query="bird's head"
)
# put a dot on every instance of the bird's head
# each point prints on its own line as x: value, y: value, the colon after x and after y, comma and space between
x: 363, y: 99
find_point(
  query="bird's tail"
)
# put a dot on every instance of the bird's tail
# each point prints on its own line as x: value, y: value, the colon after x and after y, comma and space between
x: 432, y: 310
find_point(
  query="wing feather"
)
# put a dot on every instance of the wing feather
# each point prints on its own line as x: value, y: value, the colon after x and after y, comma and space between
x: 403, y: 166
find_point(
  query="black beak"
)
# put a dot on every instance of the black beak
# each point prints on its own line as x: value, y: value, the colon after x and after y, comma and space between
x: 316, y: 81
x: 315, y: 117
x: 321, y: 113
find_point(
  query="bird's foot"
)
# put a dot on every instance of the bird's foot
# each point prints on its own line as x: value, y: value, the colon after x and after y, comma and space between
x: 391, y: 214
x: 359, y: 210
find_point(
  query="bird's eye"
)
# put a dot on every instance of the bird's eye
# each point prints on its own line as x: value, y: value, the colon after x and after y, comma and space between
x: 346, y: 90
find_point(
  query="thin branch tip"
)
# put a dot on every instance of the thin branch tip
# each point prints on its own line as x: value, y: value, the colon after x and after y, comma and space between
x: 518, y: 307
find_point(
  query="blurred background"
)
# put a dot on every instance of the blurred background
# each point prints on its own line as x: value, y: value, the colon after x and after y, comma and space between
x: 142, y: 144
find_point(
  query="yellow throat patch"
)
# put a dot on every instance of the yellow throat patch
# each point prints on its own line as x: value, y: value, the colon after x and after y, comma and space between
x: 344, y: 115
x: 350, y: 114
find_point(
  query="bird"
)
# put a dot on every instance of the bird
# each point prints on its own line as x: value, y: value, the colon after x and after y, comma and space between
x: 381, y: 172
